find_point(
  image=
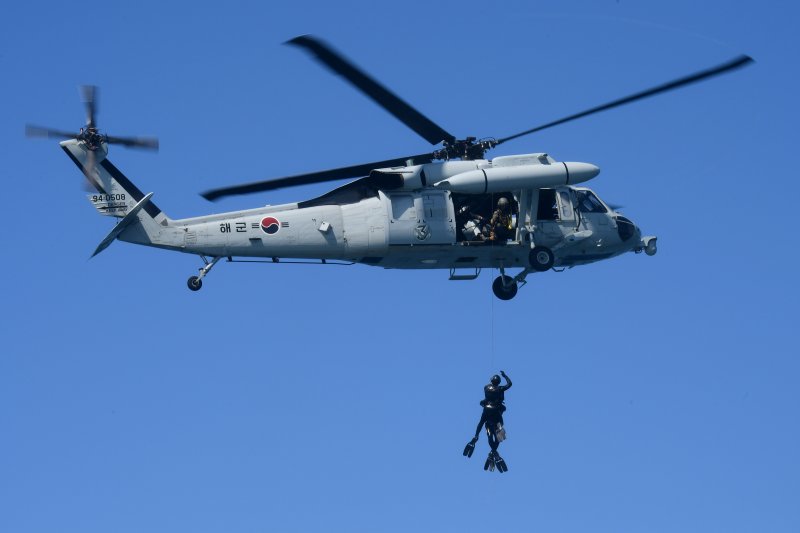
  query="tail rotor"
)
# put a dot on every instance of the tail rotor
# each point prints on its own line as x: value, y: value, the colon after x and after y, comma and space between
x: 90, y: 135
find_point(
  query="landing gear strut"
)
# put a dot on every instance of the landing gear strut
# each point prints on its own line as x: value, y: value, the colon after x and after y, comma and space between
x: 195, y: 283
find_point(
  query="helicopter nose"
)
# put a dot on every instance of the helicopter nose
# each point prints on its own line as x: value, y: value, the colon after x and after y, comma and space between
x: 580, y: 172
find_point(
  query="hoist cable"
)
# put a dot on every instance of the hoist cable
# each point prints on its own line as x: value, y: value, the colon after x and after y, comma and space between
x: 491, y: 319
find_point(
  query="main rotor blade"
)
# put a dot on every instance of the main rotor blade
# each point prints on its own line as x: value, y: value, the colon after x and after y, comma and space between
x: 38, y: 131
x: 392, y: 103
x: 355, y: 171
x: 150, y: 143
x: 738, y: 62
x: 89, y: 97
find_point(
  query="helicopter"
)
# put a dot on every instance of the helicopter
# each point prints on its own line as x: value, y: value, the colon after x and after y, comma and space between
x: 435, y: 210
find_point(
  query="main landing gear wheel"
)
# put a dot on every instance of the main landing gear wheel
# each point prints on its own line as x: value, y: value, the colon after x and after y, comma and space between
x: 504, y: 287
x: 541, y: 258
x: 194, y: 283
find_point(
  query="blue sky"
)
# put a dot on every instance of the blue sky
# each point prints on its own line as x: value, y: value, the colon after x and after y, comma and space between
x: 650, y: 394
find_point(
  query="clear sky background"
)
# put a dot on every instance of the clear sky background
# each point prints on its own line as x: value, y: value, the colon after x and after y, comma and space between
x: 653, y: 394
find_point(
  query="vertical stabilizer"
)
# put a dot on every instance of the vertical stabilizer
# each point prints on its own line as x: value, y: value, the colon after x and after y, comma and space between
x: 116, y: 194
x: 144, y: 222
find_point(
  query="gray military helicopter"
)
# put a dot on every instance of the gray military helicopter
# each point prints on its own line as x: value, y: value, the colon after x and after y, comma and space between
x: 434, y: 210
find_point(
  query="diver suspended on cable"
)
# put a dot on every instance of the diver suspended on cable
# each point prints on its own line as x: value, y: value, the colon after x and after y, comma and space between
x: 492, y: 419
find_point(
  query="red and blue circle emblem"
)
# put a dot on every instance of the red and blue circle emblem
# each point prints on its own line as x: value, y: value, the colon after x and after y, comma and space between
x: 270, y: 225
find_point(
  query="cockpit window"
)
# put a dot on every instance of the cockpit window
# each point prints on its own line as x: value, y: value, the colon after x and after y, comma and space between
x: 589, y: 203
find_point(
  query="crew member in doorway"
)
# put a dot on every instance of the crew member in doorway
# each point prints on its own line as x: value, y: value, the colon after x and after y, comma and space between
x: 493, y: 405
x: 500, y: 223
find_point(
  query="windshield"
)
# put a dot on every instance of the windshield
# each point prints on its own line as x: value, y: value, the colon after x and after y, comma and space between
x: 589, y: 203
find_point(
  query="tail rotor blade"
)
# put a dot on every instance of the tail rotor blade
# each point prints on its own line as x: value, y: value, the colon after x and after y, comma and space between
x: 89, y: 97
x: 88, y: 169
x: 49, y: 133
x: 148, y: 143
x: 91, y: 161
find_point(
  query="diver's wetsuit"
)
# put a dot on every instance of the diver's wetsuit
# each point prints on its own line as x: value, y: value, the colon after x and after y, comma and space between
x: 493, y: 408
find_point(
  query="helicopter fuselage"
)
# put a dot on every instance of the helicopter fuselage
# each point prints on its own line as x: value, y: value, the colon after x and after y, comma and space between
x: 413, y: 230
x: 411, y: 217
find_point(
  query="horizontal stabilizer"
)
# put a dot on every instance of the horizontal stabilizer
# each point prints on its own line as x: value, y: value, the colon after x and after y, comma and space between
x: 124, y: 223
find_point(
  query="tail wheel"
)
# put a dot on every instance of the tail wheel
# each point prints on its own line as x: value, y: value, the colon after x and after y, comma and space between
x: 194, y: 283
x: 504, y: 287
x: 541, y: 258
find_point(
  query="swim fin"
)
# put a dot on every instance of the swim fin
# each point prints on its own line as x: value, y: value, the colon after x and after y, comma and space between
x: 470, y: 447
x: 500, y: 462
x: 489, y: 464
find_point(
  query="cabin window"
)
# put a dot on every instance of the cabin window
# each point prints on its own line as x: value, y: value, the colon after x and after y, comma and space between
x: 589, y: 203
x: 403, y: 207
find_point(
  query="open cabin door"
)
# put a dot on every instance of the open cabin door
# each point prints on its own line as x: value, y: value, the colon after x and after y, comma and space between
x: 566, y: 210
x: 547, y: 228
x: 555, y: 215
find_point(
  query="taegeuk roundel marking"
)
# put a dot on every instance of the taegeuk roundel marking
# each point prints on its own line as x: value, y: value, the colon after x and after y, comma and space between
x: 270, y: 225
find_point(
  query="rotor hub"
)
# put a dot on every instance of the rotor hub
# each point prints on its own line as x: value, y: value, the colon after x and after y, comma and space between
x: 465, y: 149
x: 91, y: 137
